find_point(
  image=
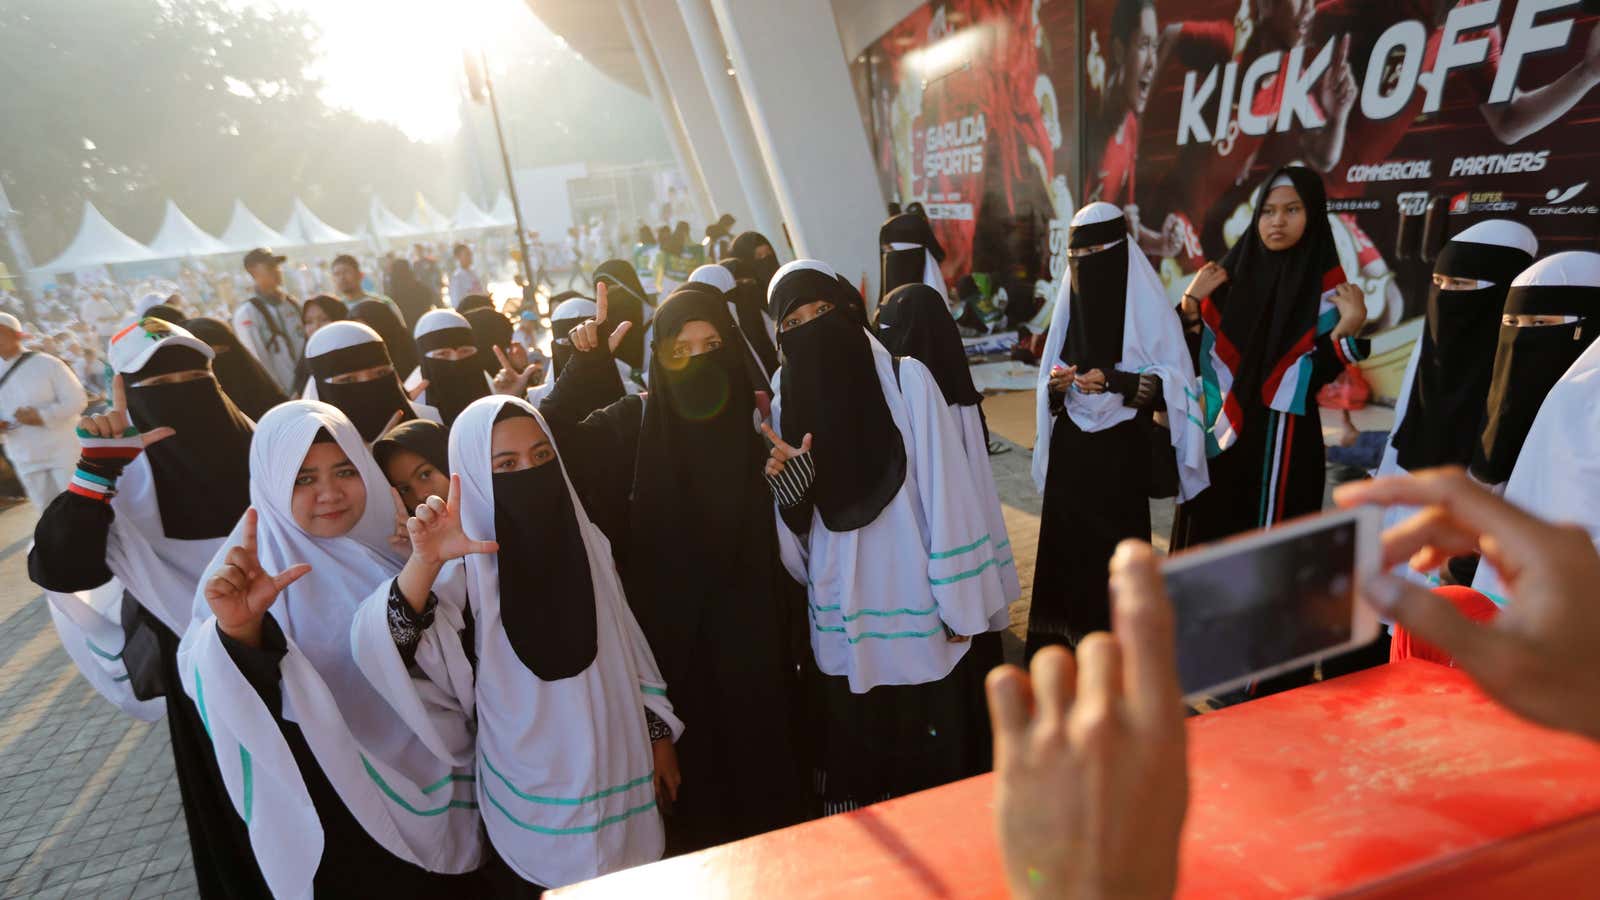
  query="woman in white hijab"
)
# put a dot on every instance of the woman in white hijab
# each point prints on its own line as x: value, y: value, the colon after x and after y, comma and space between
x: 891, y: 541
x: 351, y: 370
x: 574, y: 730
x: 1557, y: 470
x: 341, y: 797
x: 1114, y: 354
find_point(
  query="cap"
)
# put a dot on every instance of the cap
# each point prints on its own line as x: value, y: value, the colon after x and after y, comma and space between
x: 132, y: 347
x: 7, y: 320
x: 261, y: 255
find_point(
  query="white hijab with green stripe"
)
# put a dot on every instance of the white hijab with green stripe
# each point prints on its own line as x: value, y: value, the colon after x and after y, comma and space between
x: 417, y: 806
x: 884, y: 598
x: 565, y: 775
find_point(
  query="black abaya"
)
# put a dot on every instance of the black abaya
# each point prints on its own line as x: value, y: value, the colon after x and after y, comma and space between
x: 1096, y: 495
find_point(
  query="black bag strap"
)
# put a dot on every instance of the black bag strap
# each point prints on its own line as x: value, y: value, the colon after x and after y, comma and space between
x: 26, y: 355
x: 272, y: 324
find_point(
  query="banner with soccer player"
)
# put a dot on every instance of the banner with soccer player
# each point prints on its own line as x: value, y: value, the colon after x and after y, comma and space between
x: 1423, y: 117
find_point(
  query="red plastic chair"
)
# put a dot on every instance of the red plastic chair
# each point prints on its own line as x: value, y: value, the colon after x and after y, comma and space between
x: 1471, y: 603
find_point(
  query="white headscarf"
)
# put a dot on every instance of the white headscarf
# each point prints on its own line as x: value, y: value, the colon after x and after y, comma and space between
x: 565, y: 782
x: 716, y: 275
x: 1557, y: 475
x: 1152, y: 342
x: 405, y: 798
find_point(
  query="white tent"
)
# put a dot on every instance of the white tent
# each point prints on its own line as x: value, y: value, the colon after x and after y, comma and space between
x: 385, y: 224
x: 179, y: 237
x: 501, y: 212
x: 306, y: 230
x: 245, y: 231
x: 470, y: 217
x: 427, y: 220
x: 97, y: 243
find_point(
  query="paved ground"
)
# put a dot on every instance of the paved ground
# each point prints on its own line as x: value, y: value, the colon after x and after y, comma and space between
x: 88, y: 806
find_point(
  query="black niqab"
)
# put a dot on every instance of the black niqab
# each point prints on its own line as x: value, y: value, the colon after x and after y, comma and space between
x: 1099, y: 296
x: 625, y: 302
x: 757, y: 268
x: 240, y: 374
x: 1456, y: 360
x: 369, y: 404
x: 1269, y: 304
x: 830, y: 390
x: 452, y: 383
x: 1527, y: 364
x: 914, y: 321
x: 546, y: 592
x: 202, y: 473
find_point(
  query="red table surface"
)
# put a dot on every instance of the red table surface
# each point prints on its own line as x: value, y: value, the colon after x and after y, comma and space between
x: 1403, y: 780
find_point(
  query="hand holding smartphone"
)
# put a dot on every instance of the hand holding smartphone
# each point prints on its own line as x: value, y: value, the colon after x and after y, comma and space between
x: 1258, y: 605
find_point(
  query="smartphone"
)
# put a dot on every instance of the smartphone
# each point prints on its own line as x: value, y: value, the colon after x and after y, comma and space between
x: 1262, y: 604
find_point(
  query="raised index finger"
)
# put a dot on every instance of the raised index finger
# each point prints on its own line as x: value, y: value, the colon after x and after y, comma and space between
x: 501, y: 356
x: 248, y: 539
x: 119, y: 392
x: 776, y: 441
x: 599, y: 302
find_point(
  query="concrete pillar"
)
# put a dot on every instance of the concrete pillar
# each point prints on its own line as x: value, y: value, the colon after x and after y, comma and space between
x: 671, y: 120
x: 748, y: 166
x: 797, y: 92
x: 663, y: 25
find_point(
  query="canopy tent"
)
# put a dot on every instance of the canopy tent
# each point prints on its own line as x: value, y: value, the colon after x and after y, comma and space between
x: 501, y: 212
x: 97, y: 243
x: 470, y: 217
x: 245, y: 231
x: 306, y: 230
x: 385, y: 224
x: 179, y: 237
x: 427, y: 220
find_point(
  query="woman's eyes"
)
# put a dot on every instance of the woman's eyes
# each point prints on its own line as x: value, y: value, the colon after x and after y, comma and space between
x: 346, y: 472
x: 504, y: 465
x: 544, y: 455
x: 714, y: 345
x: 305, y: 480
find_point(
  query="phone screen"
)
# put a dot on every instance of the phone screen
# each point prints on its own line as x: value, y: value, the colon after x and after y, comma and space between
x: 1268, y: 604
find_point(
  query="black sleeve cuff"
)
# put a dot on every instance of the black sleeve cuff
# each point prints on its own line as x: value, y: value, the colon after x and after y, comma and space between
x: 259, y: 665
x: 659, y: 730
x: 406, y: 625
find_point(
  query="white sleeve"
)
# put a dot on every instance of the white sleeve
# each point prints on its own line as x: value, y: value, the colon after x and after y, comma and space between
x: 438, y: 706
x: 86, y: 622
x: 69, y: 398
x: 962, y: 567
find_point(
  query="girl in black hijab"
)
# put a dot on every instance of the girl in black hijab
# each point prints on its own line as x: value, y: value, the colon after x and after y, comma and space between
x: 314, y: 314
x: 415, y: 457
x: 449, y: 363
x: 701, y: 566
x: 389, y: 326
x: 757, y: 260
x: 628, y: 303
x: 1275, y: 321
x: 408, y: 293
x: 241, y: 375
x: 490, y: 329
